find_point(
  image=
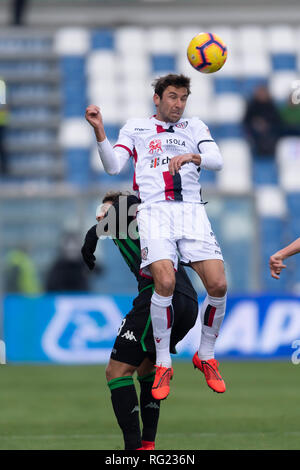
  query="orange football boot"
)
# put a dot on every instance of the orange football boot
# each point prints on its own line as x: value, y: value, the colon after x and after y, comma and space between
x: 148, y: 445
x: 161, y: 386
x: 210, y: 370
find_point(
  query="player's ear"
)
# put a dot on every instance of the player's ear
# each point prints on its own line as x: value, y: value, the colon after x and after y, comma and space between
x: 156, y: 99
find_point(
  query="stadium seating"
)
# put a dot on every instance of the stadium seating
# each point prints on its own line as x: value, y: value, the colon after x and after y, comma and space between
x: 49, y: 140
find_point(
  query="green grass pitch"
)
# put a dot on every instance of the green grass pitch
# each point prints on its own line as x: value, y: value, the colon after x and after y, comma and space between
x: 68, y: 407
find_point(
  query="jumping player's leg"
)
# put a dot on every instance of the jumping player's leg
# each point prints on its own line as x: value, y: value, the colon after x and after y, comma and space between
x: 158, y: 260
x: 162, y: 316
x: 212, y: 314
x: 161, y: 310
x: 212, y: 275
x: 202, y: 252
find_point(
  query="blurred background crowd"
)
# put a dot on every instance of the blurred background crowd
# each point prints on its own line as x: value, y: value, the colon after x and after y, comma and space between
x: 56, y: 57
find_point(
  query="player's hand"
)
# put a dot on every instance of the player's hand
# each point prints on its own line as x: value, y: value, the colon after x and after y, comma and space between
x: 276, y: 265
x: 177, y: 162
x: 93, y: 116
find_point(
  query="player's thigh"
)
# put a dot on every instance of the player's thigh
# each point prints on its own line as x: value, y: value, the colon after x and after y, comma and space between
x: 128, y: 345
x: 163, y: 275
x: 212, y: 274
x: 154, y: 251
x: 156, y: 240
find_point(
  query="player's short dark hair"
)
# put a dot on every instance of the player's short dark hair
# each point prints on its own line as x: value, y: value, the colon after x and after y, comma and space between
x: 113, y: 196
x: 172, y: 79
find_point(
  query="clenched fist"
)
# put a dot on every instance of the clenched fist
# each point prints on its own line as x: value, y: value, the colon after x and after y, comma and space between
x: 94, y: 117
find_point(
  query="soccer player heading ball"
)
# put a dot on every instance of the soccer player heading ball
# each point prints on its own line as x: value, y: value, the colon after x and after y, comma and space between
x: 169, y: 152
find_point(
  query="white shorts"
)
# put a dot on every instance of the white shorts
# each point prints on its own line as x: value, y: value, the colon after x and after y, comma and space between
x: 171, y: 229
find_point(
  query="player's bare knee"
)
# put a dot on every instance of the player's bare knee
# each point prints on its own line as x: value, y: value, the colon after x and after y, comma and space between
x: 218, y: 289
x: 165, y: 286
x: 112, y: 372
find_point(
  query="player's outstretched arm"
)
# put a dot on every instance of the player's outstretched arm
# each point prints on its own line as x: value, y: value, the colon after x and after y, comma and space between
x: 276, y: 260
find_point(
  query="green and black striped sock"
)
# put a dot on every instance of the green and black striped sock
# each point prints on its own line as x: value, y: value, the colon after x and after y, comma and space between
x: 125, y: 405
x: 149, y: 408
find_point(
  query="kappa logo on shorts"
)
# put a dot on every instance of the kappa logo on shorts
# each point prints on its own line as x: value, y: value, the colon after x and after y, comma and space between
x: 129, y: 335
x: 144, y: 253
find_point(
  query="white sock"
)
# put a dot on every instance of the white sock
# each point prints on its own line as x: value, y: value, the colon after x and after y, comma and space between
x: 212, y: 314
x: 161, y: 311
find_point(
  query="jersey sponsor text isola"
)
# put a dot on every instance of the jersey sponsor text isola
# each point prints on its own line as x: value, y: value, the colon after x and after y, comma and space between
x: 152, y: 144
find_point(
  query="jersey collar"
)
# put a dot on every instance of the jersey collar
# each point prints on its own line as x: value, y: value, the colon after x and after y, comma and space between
x: 163, y: 123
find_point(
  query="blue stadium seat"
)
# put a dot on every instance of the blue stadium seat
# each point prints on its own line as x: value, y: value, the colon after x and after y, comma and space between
x: 226, y: 85
x: 74, y: 108
x: 72, y: 66
x: 284, y: 61
x: 207, y: 176
x: 238, y: 255
x: 264, y: 171
x: 78, y: 168
x: 74, y: 86
x: 272, y: 235
x: 293, y: 203
x: 249, y: 84
x: 163, y: 63
x: 230, y: 130
x: 103, y: 39
x: 112, y: 131
x: 294, y: 226
x: 271, y: 228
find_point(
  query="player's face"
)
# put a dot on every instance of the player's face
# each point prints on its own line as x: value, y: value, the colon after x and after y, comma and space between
x: 102, y: 210
x: 171, y: 106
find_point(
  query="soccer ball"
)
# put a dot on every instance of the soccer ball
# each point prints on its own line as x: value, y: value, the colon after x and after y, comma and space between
x: 207, y: 52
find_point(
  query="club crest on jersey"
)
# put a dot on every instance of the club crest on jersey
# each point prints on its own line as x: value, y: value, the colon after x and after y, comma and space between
x: 182, y: 125
x: 155, y: 146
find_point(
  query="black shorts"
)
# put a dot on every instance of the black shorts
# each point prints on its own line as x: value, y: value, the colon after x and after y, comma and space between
x: 135, y: 341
